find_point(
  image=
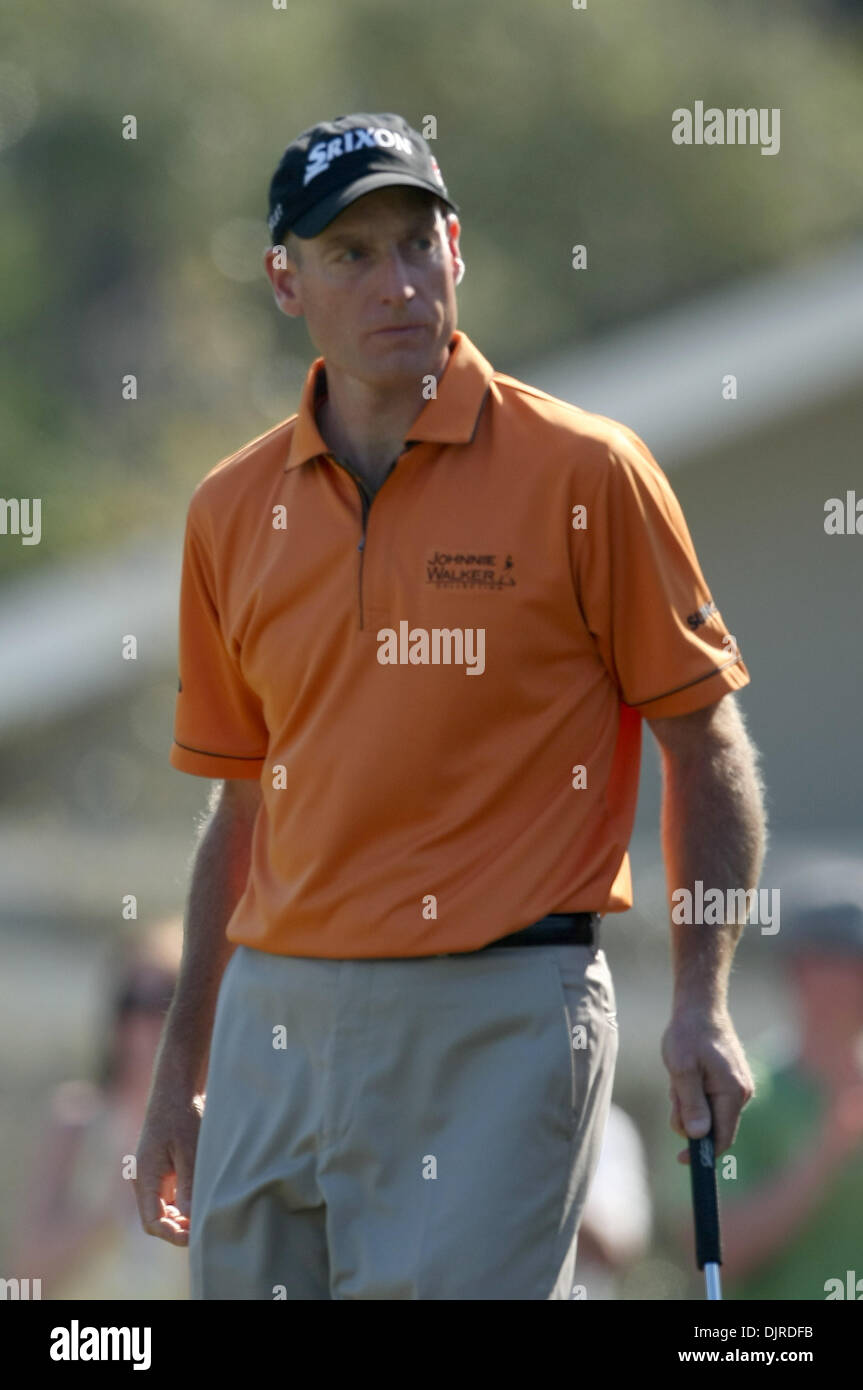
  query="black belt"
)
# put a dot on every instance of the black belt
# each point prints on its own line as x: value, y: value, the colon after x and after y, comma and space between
x: 557, y: 929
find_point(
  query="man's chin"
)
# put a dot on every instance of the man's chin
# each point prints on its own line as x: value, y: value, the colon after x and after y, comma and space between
x: 411, y: 354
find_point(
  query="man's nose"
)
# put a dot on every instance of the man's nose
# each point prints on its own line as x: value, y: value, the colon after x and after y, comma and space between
x: 396, y: 277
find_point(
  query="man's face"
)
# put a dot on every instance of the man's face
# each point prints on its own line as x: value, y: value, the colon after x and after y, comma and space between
x: 830, y: 984
x: 388, y: 261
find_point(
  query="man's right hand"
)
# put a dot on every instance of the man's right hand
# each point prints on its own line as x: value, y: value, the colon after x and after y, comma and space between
x: 166, y: 1163
x: 169, y: 1136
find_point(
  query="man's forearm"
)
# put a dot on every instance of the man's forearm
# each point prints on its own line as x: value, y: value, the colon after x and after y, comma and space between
x: 219, y: 876
x: 713, y: 830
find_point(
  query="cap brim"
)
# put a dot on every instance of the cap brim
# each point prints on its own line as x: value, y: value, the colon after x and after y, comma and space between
x: 323, y: 213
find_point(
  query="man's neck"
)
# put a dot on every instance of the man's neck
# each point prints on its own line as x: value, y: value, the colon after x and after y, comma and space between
x: 366, y: 429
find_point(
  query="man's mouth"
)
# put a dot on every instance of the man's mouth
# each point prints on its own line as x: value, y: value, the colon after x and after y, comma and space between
x: 402, y: 328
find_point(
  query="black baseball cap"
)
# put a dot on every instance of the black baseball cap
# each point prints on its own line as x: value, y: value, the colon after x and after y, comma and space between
x: 331, y: 164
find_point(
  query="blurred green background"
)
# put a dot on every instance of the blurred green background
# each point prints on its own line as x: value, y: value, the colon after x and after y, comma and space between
x: 144, y: 256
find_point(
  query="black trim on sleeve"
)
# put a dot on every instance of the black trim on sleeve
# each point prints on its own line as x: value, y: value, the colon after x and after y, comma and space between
x: 234, y: 757
x: 734, y: 661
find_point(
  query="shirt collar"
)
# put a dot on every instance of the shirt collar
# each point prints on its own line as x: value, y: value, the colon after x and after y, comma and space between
x: 449, y: 418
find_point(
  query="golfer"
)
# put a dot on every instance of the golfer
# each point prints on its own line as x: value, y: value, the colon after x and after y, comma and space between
x: 421, y: 623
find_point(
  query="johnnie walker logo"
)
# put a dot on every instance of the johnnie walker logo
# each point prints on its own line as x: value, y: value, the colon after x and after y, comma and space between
x: 468, y: 571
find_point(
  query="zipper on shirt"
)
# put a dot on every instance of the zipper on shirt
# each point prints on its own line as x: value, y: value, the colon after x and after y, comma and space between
x: 366, y: 502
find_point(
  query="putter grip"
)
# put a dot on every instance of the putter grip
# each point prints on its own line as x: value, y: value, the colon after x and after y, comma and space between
x: 705, y: 1200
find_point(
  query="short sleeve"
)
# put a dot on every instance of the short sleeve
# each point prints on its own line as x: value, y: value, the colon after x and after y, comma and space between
x: 641, y: 590
x: 219, y: 727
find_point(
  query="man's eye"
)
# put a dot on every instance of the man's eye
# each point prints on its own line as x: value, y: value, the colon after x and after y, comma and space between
x: 352, y: 251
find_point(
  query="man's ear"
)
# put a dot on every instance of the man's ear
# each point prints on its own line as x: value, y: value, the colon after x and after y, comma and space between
x: 282, y: 274
x: 453, y: 228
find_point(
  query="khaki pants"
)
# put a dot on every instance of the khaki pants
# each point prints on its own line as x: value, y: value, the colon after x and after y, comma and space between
x: 402, y: 1129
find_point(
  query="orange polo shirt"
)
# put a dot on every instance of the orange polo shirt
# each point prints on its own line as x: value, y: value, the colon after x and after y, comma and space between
x: 442, y: 699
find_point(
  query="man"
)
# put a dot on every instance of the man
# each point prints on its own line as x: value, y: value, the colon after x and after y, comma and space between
x: 420, y: 624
